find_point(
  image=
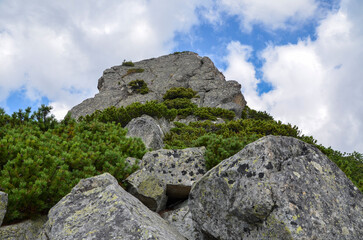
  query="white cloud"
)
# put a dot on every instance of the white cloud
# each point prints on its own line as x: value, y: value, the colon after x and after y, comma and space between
x: 59, y: 49
x: 317, y: 85
x: 271, y: 14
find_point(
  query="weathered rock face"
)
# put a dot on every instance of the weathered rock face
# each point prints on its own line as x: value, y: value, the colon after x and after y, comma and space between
x: 277, y: 188
x: 27, y: 230
x: 98, y: 208
x: 148, y: 129
x: 3, y: 205
x: 185, y: 69
x: 149, y: 189
x: 181, y: 219
x: 178, y: 169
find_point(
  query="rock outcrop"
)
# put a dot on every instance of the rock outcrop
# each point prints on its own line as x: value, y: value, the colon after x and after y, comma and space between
x: 277, y: 188
x: 148, y: 129
x: 98, y: 208
x: 3, y: 205
x: 185, y: 69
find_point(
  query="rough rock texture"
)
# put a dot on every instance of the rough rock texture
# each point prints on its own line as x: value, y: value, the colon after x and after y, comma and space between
x: 27, y: 230
x: 185, y: 69
x: 148, y: 129
x: 178, y: 169
x: 149, y: 189
x: 3, y: 205
x: 181, y: 219
x: 98, y: 208
x: 277, y: 188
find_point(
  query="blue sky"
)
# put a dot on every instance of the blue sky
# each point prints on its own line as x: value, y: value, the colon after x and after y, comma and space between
x: 300, y: 60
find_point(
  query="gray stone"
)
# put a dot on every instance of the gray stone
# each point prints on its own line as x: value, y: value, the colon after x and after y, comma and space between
x: 185, y: 69
x: 148, y: 129
x: 133, y: 161
x: 178, y: 169
x: 27, y: 230
x: 149, y: 189
x: 98, y: 208
x: 3, y: 205
x: 181, y: 219
x: 277, y: 188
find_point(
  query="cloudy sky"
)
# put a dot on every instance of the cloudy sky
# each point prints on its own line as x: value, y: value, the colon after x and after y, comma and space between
x: 299, y: 60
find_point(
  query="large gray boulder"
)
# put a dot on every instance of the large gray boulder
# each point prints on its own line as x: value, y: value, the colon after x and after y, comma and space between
x: 148, y: 129
x: 27, y: 230
x: 178, y: 168
x: 185, y: 69
x: 3, y: 205
x: 277, y: 188
x: 98, y: 208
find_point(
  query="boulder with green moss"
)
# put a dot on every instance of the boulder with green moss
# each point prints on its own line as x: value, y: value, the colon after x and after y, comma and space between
x: 98, y: 208
x: 277, y: 188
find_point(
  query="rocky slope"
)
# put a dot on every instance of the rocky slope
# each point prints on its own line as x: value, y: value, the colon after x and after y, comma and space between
x: 275, y: 188
x: 185, y: 69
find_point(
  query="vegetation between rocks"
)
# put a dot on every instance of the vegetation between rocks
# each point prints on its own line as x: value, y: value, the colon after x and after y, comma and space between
x: 41, y: 159
x: 139, y: 86
x: 128, y: 63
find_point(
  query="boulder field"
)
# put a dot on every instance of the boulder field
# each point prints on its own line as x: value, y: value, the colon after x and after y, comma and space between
x: 275, y: 188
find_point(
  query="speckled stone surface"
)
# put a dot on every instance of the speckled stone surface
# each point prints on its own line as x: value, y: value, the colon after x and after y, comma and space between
x: 27, y: 230
x: 178, y: 169
x: 277, y: 188
x: 149, y: 189
x: 98, y: 208
x: 181, y: 218
x: 3, y: 205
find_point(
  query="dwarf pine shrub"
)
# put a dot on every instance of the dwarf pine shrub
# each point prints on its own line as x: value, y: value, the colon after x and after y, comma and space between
x: 139, y: 86
x: 38, y: 167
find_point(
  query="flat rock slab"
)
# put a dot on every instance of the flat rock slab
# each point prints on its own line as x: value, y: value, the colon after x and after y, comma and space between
x: 277, y: 188
x: 98, y: 208
x: 3, y: 205
x: 185, y: 69
x: 178, y: 169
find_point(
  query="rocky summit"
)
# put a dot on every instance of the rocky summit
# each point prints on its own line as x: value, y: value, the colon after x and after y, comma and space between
x: 185, y: 69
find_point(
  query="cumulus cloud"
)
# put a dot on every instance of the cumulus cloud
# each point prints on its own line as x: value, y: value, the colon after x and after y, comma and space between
x: 317, y: 85
x: 271, y: 14
x: 58, y: 49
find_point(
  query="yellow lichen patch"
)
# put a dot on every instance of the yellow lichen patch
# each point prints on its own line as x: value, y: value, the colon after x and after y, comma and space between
x: 317, y: 166
x: 296, y: 174
x: 299, y: 229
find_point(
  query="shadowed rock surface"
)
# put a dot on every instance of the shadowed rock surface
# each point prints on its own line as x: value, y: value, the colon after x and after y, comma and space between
x: 185, y: 69
x: 27, y: 230
x: 3, y: 205
x: 277, y: 188
x: 98, y: 208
